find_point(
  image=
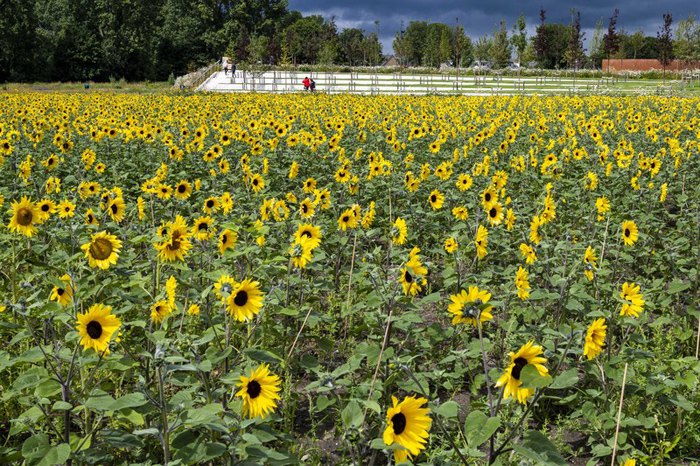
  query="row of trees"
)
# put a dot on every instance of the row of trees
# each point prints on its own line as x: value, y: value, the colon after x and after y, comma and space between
x: 50, y: 40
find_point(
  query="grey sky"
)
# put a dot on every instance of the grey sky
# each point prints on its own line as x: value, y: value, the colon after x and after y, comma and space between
x: 480, y: 17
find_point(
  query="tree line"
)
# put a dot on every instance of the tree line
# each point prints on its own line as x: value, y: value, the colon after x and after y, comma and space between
x: 73, y: 40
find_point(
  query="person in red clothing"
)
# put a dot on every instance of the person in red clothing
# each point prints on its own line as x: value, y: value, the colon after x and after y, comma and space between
x: 307, y: 83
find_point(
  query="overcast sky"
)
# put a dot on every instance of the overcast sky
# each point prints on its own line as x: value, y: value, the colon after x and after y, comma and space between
x: 479, y: 17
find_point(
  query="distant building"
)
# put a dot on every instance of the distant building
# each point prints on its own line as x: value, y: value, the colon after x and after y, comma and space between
x: 646, y: 64
x: 390, y: 60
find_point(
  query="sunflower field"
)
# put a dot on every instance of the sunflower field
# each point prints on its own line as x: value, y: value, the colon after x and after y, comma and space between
x: 313, y: 279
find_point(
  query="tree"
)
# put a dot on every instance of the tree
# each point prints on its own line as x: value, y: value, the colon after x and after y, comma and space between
x: 351, y: 45
x: 574, y: 51
x: 482, y: 48
x: 611, y: 40
x: 540, y: 41
x: 664, y: 43
x: 634, y: 44
x: 372, y: 49
x: 596, y: 47
x: 519, y: 38
x: 501, y: 50
x: 462, y: 48
x: 18, y: 24
x: 686, y: 47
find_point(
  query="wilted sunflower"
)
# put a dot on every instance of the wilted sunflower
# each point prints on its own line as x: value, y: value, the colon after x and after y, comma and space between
x: 630, y: 234
x: 102, y: 250
x: 63, y: 294
x: 259, y: 392
x: 529, y: 353
x: 227, y: 240
x: 634, y: 300
x: 96, y: 327
x: 408, y: 424
x: 245, y: 300
x: 595, y: 339
x: 25, y: 215
x: 467, y: 306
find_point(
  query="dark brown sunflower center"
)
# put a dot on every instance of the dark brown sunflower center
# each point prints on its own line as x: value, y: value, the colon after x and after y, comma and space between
x: 24, y: 216
x: 94, y: 329
x: 210, y: 203
x: 305, y: 208
x: 45, y: 207
x: 181, y: 189
x: 241, y: 298
x: 346, y: 218
x: 114, y: 208
x: 433, y: 198
x: 203, y: 226
x: 101, y: 249
x: 224, y: 239
x: 487, y: 197
x: 253, y: 389
x: 306, y: 234
x: 519, y: 364
x: 60, y: 291
x: 493, y: 212
x: 408, y: 277
x: 398, y: 422
x: 627, y: 232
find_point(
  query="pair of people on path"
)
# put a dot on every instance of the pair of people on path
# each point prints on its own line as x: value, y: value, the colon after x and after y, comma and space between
x: 309, y: 84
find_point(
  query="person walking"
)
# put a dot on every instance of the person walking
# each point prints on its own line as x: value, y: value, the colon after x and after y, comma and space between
x: 312, y: 85
x: 307, y: 83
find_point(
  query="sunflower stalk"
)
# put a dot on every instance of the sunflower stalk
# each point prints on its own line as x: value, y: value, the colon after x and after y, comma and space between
x: 437, y: 417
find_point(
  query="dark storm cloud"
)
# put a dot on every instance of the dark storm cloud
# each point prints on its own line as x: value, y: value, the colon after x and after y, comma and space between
x: 483, y: 17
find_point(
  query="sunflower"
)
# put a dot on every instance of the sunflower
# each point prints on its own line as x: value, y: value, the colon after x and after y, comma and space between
x: 309, y: 231
x: 488, y: 196
x: 183, y: 190
x: 630, y: 234
x: 227, y: 240
x: 46, y: 208
x: 347, y: 219
x: 226, y: 201
x: 460, y: 213
x: 464, y: 182
x: 177, y: 244
x: 259, y: 392
x: 466, y: 306
x: 170, y: 289
x: 634, y: 300
x: 117, y: 209
x: 160, y: 311
x: 528, y: 253
x: 24, y: 216
x: 300, y: 252
x: 436, y: 199
x: 510, y: 219
x: 590, y: 263
x: 522, y: 283
x: 495, y: 213
x: 102, y: 250
x: 66, y: 209
x: 529, y: 353
x: 203, y: 228
x: 595, y: 339
x: 451, y: 245
x: 481, y: 242
x: 257, y: 183
x: 96, y: 327
x: 408, y: 424
x: 399, y: 231
x: 63, y: 294
x: 409, y: 283
x: 306, y: 208
x: 245, y: 300
x: 210, y: 205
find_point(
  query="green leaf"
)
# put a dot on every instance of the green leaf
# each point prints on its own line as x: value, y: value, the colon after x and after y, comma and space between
x: 479, y: 427
x: 448, y: 409
x: 352, y: 415
x: 61, y: 406
x: 55, y: 455
x: 535, y: 441
x: 262, y: 356
x: 532, y: 379
x: 677, y: 286
x: 431, y: 298
x: 568, y: 378
x: 131, y: 400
